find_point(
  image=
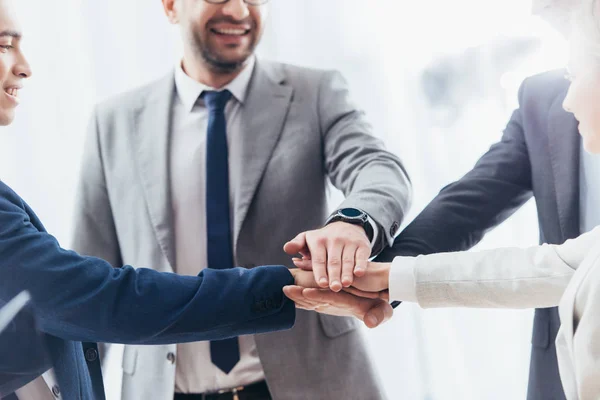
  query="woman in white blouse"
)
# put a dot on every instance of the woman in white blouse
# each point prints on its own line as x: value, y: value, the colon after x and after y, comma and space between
x: 543, y: 276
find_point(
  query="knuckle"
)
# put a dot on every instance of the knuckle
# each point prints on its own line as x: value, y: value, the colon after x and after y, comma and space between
x: 348, y: 259
x: 335, y: 261
x: 338, y: 241
x: 320, y: 240
x: 318, y: 261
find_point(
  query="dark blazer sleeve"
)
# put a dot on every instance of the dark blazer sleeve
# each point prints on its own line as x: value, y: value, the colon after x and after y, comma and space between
x: 85, y: 299
x: 465, y: 210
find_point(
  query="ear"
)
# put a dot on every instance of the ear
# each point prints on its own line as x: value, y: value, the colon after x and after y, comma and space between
x: 171, y: 10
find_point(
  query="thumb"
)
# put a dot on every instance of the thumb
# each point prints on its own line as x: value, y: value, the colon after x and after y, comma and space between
x: 296, y: 245
x: 378, y: 314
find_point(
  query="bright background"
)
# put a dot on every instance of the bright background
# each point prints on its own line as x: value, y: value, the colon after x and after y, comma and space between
x: 438, y: 79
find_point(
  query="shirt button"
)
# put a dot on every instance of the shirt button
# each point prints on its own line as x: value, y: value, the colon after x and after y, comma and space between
x: 56, y: 391
x: 171, y: 358
x: 394, y: 229
x: 91, y: 355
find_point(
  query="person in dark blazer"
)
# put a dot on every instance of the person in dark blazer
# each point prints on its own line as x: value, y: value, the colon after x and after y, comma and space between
x: 540, y: 155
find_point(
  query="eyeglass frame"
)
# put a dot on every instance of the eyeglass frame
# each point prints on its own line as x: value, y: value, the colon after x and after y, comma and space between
x: 253, y: 3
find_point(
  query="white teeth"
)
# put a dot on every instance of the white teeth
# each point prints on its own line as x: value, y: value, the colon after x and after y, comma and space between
x: 12, y: 92
x: 237, y: 32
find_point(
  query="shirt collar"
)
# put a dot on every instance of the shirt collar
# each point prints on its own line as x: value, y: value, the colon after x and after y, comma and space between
x: 190, y: 90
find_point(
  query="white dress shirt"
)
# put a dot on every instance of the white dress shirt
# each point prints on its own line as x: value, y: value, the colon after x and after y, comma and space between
x: 195, y: 373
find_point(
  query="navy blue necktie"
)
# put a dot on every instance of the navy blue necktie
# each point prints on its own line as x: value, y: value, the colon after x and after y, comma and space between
x: 225, y: 354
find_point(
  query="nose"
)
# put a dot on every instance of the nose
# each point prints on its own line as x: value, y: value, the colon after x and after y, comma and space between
x: 237, y: 9
x: 22, y: 68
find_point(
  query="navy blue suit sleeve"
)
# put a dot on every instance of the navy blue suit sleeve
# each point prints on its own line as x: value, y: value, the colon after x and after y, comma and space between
x: 465, y: 210
x: 85, y: 299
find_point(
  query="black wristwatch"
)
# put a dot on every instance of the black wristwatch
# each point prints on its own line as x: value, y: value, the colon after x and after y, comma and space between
x: 353, y: 216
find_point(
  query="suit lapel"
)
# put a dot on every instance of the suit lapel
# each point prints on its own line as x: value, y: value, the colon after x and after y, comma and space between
x: 261, y: 119
x: 564, y: 144
x: 151, y: 148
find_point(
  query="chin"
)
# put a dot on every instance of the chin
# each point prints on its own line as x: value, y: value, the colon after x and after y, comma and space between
x: 592, y: 145
x: 6, y: 118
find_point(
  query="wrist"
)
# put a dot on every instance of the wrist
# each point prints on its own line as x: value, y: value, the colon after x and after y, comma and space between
x: 381, y: 276
x: 355, y: 216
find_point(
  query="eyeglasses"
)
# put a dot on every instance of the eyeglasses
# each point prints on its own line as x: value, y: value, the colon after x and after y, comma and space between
x: 249, y: 2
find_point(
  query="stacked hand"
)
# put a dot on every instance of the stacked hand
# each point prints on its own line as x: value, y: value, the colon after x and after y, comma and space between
x: 337, y: 253
x: 334, y: 276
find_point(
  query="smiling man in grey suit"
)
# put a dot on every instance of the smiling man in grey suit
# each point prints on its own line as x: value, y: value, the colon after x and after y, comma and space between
x: 232, y: 155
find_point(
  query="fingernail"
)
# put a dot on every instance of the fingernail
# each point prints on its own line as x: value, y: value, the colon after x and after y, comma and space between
x: 346, y: 281
x: 323, y: 281
x: 371, y: 319
x: 336, y: 285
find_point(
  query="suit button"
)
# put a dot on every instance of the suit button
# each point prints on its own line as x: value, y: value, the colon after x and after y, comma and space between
x: 56, y: 391
x: 91, y: 355
x: 171, y: 358
x: 394, y: 228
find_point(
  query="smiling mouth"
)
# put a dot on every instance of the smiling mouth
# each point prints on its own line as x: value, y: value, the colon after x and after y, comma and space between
x: 230, y: 31
x: 12, y: 92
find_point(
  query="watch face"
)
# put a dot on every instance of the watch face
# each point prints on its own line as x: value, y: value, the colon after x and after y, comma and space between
x: 351, y: 213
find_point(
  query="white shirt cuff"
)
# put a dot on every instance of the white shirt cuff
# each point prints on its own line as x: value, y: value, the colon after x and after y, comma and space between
x: 375, y: 230
x: 402, y: 280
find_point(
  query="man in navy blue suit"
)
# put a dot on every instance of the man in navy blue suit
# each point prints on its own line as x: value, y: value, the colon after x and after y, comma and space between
x: 84, y: 299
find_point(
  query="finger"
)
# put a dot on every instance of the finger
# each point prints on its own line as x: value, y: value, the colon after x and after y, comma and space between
x: 384, y: 295
x: 379, y: 314
x: 348, y: 263
x: 294, y: 293
x: 339, y: 299
x: 362, y: 260
x: 303, y: 264
x: 318, y: 254
x: 296, y: 245
x: 334, y: 264
x: 304, y: 279
x: 360, y: 293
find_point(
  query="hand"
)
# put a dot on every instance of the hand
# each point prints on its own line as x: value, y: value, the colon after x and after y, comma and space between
x: 303, y: 278
x: 337, y: 252
x: 373, y: 312
x: 376, y: 280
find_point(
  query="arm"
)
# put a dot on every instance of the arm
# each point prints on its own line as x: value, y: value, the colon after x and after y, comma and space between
x: 535, y: 277
x: 85, y: 299
x: 464, y: 211
x: 500, y: 278
x: 372, y: 179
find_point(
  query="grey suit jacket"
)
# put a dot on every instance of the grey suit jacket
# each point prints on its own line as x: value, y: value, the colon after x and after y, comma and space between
x: 538, y: 155
x: 300, y: 129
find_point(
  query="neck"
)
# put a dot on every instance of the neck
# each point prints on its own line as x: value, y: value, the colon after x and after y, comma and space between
x: 201, y: 72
